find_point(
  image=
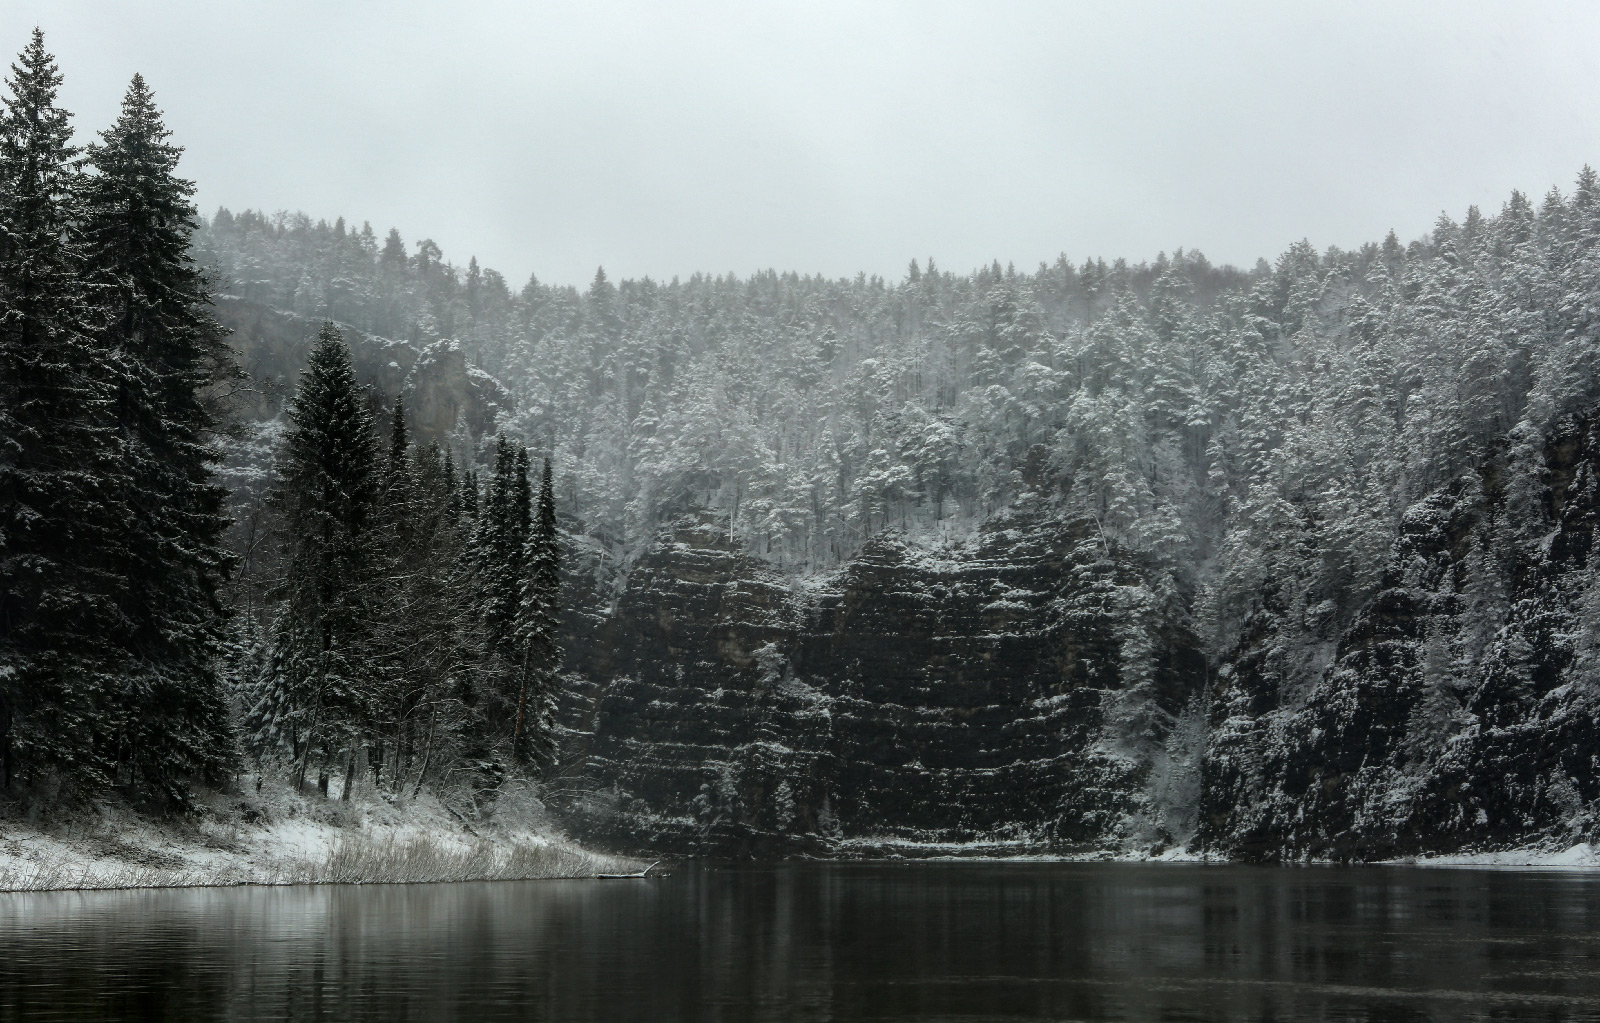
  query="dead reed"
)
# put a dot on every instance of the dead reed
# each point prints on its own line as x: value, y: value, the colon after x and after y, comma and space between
x: 353, y: 859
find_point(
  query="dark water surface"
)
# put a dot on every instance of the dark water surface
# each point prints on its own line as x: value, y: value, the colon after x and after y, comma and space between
x: 925, y: 941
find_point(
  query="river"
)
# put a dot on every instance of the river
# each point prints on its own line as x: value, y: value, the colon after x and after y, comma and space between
x: 963, y: 941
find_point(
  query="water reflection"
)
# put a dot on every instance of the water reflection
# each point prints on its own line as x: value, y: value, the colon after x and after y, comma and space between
x: 827, y: 942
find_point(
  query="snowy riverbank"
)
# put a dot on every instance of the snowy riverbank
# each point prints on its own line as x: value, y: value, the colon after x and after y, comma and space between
x: 1582, y: 856
x: 281, y: 837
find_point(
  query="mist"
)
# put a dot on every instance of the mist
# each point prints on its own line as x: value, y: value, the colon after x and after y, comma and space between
x: 834, y: 138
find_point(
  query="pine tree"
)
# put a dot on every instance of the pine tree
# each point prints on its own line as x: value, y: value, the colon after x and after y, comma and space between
x: 398, y: 438
x: 452, y: 486
x: 538, y: 630
x: 502, y: 542
x: 435, y: 611
x: 58, y: 481
x: 166, y: 354
x: 423, y: 646
x: 319, y: 696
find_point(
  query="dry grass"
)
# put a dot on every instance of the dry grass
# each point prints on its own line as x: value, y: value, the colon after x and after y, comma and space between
x: 392, y: 861
x: 351, y: 860
x: 76, y: 875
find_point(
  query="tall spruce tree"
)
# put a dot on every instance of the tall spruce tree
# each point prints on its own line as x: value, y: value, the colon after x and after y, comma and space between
x: 59, y: 486
x: 537, y: 632
x: 399, y: 439
x: 166, y: 356
x: 400, y: 549
x: 471, y: 492
x: 502, y: 543
x: 318, y: 697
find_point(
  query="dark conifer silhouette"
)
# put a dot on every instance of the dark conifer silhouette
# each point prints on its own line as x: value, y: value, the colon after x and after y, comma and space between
x: 320, y: 693
x: 165, y: 354
x: 60, y: 485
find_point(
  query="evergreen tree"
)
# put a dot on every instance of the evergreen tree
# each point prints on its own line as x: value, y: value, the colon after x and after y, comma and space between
x: 166, y: 354
x: 319, y: 696
x: 538, y: 630
x: 438, y: 655
x: 452, y: 486
x: 399, y: 440
x: 424, y: 652
x: 59, y: 485
x: 502, y: 542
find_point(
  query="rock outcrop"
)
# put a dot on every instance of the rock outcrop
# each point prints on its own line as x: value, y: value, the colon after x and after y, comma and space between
x: 995, y: 695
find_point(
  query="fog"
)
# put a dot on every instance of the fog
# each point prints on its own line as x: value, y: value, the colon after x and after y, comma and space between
x: 830, y: 137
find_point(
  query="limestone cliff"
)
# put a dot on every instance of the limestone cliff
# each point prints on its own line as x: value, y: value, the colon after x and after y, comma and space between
x: 991, y: 694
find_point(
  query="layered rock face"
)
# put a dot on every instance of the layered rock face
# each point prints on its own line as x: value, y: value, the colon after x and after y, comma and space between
x: 1004, y: 694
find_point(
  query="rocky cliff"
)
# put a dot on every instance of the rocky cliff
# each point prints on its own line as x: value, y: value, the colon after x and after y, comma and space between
x: 991, y: 695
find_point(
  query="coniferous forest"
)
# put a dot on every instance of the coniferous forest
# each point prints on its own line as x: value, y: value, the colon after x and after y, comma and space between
x: 1284, y: 561
x: 405, y: 627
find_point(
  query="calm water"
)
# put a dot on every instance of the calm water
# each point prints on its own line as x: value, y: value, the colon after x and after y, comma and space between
x: 827, y: 942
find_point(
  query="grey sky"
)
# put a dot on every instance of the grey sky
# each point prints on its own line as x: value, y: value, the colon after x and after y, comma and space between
x: 666, y: 138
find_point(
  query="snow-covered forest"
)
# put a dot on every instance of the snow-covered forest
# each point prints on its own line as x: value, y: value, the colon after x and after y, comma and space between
x: 1262, y: 442
x: 1360, y: 482
x: 402, y: 621
x: 1231, y: 426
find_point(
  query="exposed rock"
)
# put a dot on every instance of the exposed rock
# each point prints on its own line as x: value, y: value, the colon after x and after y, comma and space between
x: 981, y: 696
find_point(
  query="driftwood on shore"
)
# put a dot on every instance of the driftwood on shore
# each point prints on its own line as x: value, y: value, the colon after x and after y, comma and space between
x: 643, y: 873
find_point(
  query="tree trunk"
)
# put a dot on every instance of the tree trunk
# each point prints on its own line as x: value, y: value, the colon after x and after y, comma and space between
x: 5, y: 744
x: 427, y: 754
x: 402, y: 756
x: 300, y: 766
x: 349, y: 774
x: 522, y: 703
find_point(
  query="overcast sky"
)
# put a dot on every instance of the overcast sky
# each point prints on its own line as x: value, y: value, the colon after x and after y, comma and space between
x: 665, y: 138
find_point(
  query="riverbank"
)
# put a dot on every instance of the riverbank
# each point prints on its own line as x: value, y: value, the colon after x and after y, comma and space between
x: 1583, y: 855
x: 282, y: 837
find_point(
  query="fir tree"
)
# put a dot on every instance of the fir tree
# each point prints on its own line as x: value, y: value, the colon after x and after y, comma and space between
x: 452, y: 486
x: 58, y: 482
x: 319, y: 694
x: 166, y: 354
x: 538, y: 630
x: 502, y: 542
x: 398, y: 438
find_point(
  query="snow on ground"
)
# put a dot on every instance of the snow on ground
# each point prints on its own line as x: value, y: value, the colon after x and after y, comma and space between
x: 1580, y: 856
x: 281, y: 837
